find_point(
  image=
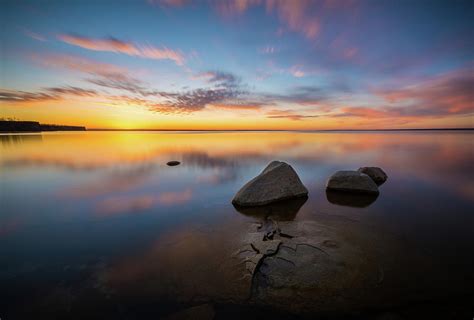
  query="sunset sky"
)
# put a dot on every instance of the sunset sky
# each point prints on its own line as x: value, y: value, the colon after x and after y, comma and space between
x: 248, y: 64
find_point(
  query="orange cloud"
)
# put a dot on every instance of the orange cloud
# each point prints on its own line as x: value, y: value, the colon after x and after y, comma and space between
x: 288, y: 114
x: 115, y: 45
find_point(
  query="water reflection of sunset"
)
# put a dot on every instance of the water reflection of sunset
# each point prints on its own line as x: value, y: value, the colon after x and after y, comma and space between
x: 109, y: 196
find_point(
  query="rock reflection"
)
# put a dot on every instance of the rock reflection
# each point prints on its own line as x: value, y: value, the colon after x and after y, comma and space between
x: 285, y: 210
x: 351, y: 200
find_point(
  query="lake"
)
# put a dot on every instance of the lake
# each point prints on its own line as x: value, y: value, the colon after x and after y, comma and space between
x: 96, y: 225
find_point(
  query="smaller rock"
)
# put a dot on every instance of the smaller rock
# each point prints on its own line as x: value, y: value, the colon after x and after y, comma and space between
x: 173, y: 163
x: 375, y: 173
x: 352, y: 181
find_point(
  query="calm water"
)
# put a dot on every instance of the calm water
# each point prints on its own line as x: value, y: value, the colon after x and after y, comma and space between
x: 96, y: 224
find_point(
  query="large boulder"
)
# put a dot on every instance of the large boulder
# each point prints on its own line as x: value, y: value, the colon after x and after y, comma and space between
x: 278, y: 181
x: 375, y: 173
x: 352, y: 181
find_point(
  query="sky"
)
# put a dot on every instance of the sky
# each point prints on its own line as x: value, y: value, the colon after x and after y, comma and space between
x: 243, y: 64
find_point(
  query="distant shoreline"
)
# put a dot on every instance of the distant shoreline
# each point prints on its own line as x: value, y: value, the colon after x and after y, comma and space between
x: 10, y: 126
x: 282, y: 130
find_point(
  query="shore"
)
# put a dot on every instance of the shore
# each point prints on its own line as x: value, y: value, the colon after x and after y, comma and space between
x: 34, y: 126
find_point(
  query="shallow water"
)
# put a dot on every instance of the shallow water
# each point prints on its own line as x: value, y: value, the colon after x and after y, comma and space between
x: 89, y: 221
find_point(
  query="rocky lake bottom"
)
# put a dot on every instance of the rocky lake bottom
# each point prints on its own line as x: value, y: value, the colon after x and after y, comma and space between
x: 97, y: 225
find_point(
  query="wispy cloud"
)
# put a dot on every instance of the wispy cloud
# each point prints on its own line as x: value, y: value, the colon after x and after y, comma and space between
x: 297, y: 72
x: 303, y: 16
x: 112, y: 44
x: 53, y: 93
x: 34, y: 35
x: 238, y: 106
x: 268, y: 50
x: 297, y: 16
x: 23, y: 96
x: 289, y: 114
x: 169, y: 3
x: 194, y: 100
x: 76, y: 63
x: 445, y: 95
x: 222, y: 87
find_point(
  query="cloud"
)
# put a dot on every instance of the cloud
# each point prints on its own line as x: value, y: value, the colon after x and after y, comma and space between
x: 23, y: 96
x: 69, y: 90
x: 81, y: 64
x: 120, y: 82
x: 441, y: 95
x: 288, y: 114
x: 268, y: 50
x: 34, y: 35
x: 193, y: 100
x: 303, y: 95
x: 218, y: 77
x: 237, y: 106
x: 234, y: 7
x: 53, y: 93
x: 112, y: 44
x: 169, y: 3
x: 105, y: 75
x: 297, y: 15
x: 223, y: 87
x: 297, y: 72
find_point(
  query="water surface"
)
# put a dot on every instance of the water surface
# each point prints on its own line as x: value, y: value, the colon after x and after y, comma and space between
x: 88, y: 218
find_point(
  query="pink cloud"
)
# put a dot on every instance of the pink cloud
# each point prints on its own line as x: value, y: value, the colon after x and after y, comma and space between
x: 445, y: 94
x: 295, y: 15
x: 441, y: 96
x: 80, y: 64
x: 119, y: 46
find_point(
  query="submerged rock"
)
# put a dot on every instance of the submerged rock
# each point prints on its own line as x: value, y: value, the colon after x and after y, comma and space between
x: 351, y: 199
x: 352, y: 181
x: 285, y: 210
x: 173, y: 163
x: 375, y: 173
x: 278, y: 181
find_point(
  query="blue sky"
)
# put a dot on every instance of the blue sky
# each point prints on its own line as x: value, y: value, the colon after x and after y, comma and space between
x: 277, y: 64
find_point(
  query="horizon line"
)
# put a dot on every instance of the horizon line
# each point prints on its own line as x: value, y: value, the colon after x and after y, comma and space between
x: 275, y: 130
